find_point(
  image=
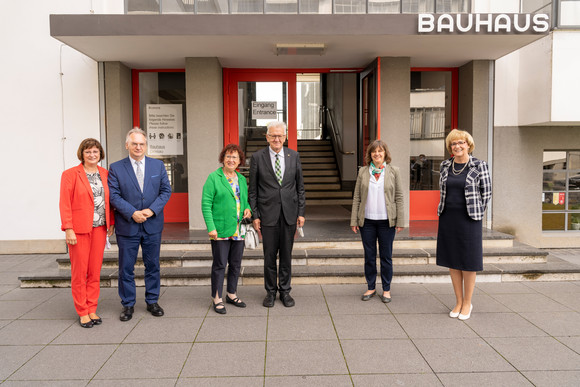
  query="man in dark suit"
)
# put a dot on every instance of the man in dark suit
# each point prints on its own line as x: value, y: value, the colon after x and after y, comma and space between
x: 277, y: 200
x: 139, y: 189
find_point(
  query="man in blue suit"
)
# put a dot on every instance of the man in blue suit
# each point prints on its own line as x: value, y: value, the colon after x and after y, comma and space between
x: 139, y: 189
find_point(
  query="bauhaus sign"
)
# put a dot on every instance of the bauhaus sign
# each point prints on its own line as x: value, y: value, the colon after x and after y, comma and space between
x: 483, y: 23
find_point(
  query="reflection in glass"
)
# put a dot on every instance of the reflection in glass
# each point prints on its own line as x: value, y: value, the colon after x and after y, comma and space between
x: 349, y: 6
x: 209, y: 6
x: 308, y: 104
x: 574, y: 160
x: 574, y: 201
x: 417, y: 6
x: 553, y: 201
x: 384, y: 6
x: 281, y: 6
x: 554, y: 181
x: 247, y: 6
x: 553, y: 222
x: 316, y: 6
x: 574, y: 221
x: 574, y: 181
x: 554, y: 160
x: 452, y: 6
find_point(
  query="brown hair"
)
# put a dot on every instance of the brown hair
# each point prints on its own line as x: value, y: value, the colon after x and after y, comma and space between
x: 230, y: 148
x: 371, y: 148
x: 88, y: 143
x: 458, y: 134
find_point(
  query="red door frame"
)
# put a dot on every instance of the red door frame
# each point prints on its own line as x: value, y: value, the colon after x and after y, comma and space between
x: 177, y: 208
x: 423, y: 204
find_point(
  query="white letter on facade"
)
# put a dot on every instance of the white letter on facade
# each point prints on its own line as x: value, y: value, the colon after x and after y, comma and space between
x: 541, y: 22
x: 441, y: 25
x: 460, y: 28
x: 479, y: 22
x: 506, y: 25
x: 517, y: 24
x: 426, y: 22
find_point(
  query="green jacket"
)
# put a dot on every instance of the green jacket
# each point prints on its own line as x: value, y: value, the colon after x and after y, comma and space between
x: 218, y: 203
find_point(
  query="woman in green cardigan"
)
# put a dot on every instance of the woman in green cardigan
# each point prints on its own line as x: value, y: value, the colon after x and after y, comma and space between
x: 224, y: 203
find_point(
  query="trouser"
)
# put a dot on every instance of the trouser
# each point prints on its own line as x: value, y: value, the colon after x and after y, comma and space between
x: 86, y: 259
x: 224, y: 252
x: 372, y: 231
x: 278, y: 240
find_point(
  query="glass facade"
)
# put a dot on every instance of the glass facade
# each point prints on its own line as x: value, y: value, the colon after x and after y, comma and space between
x: 561, y: 191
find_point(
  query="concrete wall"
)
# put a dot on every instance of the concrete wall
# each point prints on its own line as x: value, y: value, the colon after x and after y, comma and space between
x: 205, y: 127
x: 517, y: 206
x: 394, y: 108
x: 118, y: 109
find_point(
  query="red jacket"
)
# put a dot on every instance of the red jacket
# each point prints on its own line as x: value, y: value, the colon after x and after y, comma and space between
x: 77, y: 204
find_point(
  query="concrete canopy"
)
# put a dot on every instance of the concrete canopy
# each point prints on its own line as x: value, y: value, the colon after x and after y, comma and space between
x: 249, y: 41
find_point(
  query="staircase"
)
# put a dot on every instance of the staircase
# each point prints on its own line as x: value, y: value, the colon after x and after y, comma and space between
x: 319, y: 168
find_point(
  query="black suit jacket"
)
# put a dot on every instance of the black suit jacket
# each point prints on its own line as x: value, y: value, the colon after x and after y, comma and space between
x: 268, y: 198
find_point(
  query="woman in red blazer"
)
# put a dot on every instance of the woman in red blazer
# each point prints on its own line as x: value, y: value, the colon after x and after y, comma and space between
x: 87, y: 220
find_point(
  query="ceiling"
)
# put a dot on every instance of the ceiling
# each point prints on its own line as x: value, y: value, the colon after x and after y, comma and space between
x: 249, y: 41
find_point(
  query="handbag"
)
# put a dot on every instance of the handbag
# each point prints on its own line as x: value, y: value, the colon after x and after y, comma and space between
x: 251, y: 241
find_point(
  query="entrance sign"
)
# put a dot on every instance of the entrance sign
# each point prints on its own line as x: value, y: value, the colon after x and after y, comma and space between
x: 164, y: 130
x: 264, y: 110
x: 487, y: 23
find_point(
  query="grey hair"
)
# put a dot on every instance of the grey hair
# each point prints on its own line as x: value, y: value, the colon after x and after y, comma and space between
x: 277, y: 124
x: 133, y: 131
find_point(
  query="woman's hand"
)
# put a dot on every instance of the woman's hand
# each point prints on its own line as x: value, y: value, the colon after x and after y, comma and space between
x: 213, y: 235
x: 247, y: 213
x: 399, y: 229
x: 71, y: 238
x: 110, y: 231
x: 354, y: 229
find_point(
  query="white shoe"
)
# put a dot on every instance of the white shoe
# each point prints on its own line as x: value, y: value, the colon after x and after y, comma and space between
x: 466, y: 316
x: 453, y: 314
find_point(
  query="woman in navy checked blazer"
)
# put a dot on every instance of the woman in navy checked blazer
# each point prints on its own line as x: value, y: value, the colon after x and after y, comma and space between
x: 465, y: 186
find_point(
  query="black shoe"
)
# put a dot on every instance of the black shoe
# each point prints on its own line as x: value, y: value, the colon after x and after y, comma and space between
x: 221, y: 310
x: 366, y: 297
x: 155, y: 309
x: 126, y: 313
x: 287, y: 300
x: 269, y: 300
x: 236, y: 302
x: 97, y: 321
x: 88, y: 324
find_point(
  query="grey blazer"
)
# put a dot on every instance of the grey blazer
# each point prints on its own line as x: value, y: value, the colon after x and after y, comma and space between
x: 393, y: 197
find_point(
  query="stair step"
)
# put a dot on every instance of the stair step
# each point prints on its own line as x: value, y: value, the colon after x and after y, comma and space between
x: 316, y: 154
x: 314, y: 142
x: 322, y: 160
x: 315, y: 172
x: 319, y: 179
x: 321, y: 187
x: 328, y: 202
x: 313, y: 148
x: 319, y: 166
x: 328, y: 194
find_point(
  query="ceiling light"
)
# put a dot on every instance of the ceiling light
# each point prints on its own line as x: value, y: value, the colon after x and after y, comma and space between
x: 300, y: 49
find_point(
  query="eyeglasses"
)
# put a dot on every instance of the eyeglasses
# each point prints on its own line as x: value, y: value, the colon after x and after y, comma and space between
x: 92, y: 152
x: 229, y: 157
x: 276, y: 137
x: 455, y: 143
x: 137, y: 144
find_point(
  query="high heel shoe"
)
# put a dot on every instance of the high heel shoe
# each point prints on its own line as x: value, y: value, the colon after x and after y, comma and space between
x: 466, y: 316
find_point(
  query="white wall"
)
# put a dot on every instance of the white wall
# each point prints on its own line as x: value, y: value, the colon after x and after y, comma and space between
x: 495, y: 6
x: 38, y: 110
x: 565, y: 76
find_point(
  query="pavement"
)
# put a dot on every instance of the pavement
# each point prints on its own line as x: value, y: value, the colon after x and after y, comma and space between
x: 520, y: 334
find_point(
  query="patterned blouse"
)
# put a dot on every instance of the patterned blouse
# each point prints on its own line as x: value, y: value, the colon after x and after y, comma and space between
x: 99, y: 198
x: 236, y: 188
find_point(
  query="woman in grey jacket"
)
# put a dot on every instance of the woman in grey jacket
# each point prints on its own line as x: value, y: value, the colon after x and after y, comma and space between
x: 377, y: 210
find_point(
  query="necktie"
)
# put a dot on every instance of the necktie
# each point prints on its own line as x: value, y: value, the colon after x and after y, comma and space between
x: 278, y: 169
x: 139, y: 174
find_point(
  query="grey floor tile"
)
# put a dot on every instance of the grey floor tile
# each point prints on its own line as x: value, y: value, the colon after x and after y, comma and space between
x: 253, y: 307
x: 417, y: 303
x: 134, y: 382
x: 111, y: 331
x: 503, y: 325
x: 12, y: 310
x: 222, y: 382
x: 13, y: 357
x: 481, y: 303
x: 3, y: 323
x: 424, y: 326
x: 388, y: 356
x: 146, y: 361
x: 554, y: 378
x: 33, y: 332
x: 7, y: 288
x: 300, y: 328
x: 39, y: 295
x: 63, y: 362
x: 440, y: 289
x: 344, y: 290
x: 418, y: 380
x: 305, y: 306
x: 233, y: 328
x: 368, y: 326
x: 58, y: 307
x: 407, y: 289
x: 553, y: 287
x: 305, y: 291
x: 8, y: 278
x: 187, y: 292
x: 210, y: 359
x: 478, y: 379
x: 461, y: 355
x: 285, y: 358
x: 571, y: 300
x: 536, y: 353
x: 556, y: 323
x: 109, y: 309
x: 319, y: 381
x: 571, y: 342
x: 503, y: 288
x: 165, y: 330
x: 46, y: 383
x: 354, y: 305
x: 535, y: 302
x: 182, y: 307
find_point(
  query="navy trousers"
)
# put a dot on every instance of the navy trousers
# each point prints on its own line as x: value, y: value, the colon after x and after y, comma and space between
x: 128, y: 249
x: 224, y: 252
x: 372, y: 231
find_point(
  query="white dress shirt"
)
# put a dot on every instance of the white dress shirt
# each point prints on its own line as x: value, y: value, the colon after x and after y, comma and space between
x: 376, y: 207
x: 134, y: 165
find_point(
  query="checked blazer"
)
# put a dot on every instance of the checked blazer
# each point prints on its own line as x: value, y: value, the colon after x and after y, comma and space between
x: 477, y: 187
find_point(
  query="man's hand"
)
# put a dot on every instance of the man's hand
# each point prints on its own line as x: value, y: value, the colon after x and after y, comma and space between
x: 256, y: 224
x: 147, y: 212
x: 354, y: 229
x: 301, y: 221
x: 139, y: 217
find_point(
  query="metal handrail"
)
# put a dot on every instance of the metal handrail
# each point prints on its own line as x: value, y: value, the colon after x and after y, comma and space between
x: 336, y: 138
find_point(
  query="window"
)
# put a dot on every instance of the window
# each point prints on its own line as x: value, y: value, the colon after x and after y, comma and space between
x: 561, y: 191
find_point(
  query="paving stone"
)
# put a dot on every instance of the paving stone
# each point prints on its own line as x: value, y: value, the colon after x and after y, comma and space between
x: 14, y: 356
x: 225, y: 359
x: 571, y: 300
x: 503, y: 325
x: 481, y: 303
x: 12, y: 310
x: 111, y: 331
x: 554, y: 378
x: 300, y: 327
x: 304, y: 358
x: 46, y: 383
x: 552, y: 287
x: 145, y: 361
x: 319, y: 381
x: 65, y: 362
x: 571, y: 342
x: 536, y: 353
x: 222, y: 382
x: 423, y: 326
x: 417, y: 303
x: 535, y: 302
x: 58, y: 307
x: 33, y: 332
x: 369, y: 326
x: 344, y: 290
x: 38, y: 295
x: 418, y: 380
x: 305, y: 306
x: 478, y: 379
x: 386, y: 356
x: 164, y: 330
x: 461, y: 355
x: 182, y: 307
x: 504, y: 288
x: 556, y: 323
x: 133, y: 382
x: 232, y: 328
x: 305, y: 291
x: 354, y: 305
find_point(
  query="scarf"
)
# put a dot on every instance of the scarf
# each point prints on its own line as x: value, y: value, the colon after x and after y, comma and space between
x: 377, y: 171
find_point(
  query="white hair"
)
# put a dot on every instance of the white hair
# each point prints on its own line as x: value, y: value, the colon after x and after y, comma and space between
x: 277, y: 124
x: 133, y: 131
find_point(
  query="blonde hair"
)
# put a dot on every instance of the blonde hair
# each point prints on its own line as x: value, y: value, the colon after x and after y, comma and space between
x: 458, y: 134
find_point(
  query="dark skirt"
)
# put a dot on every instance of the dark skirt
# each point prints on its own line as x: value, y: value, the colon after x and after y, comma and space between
x: 459, y: 241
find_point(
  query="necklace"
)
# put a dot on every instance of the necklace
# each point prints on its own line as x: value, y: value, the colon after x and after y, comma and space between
x: 455, y: 172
